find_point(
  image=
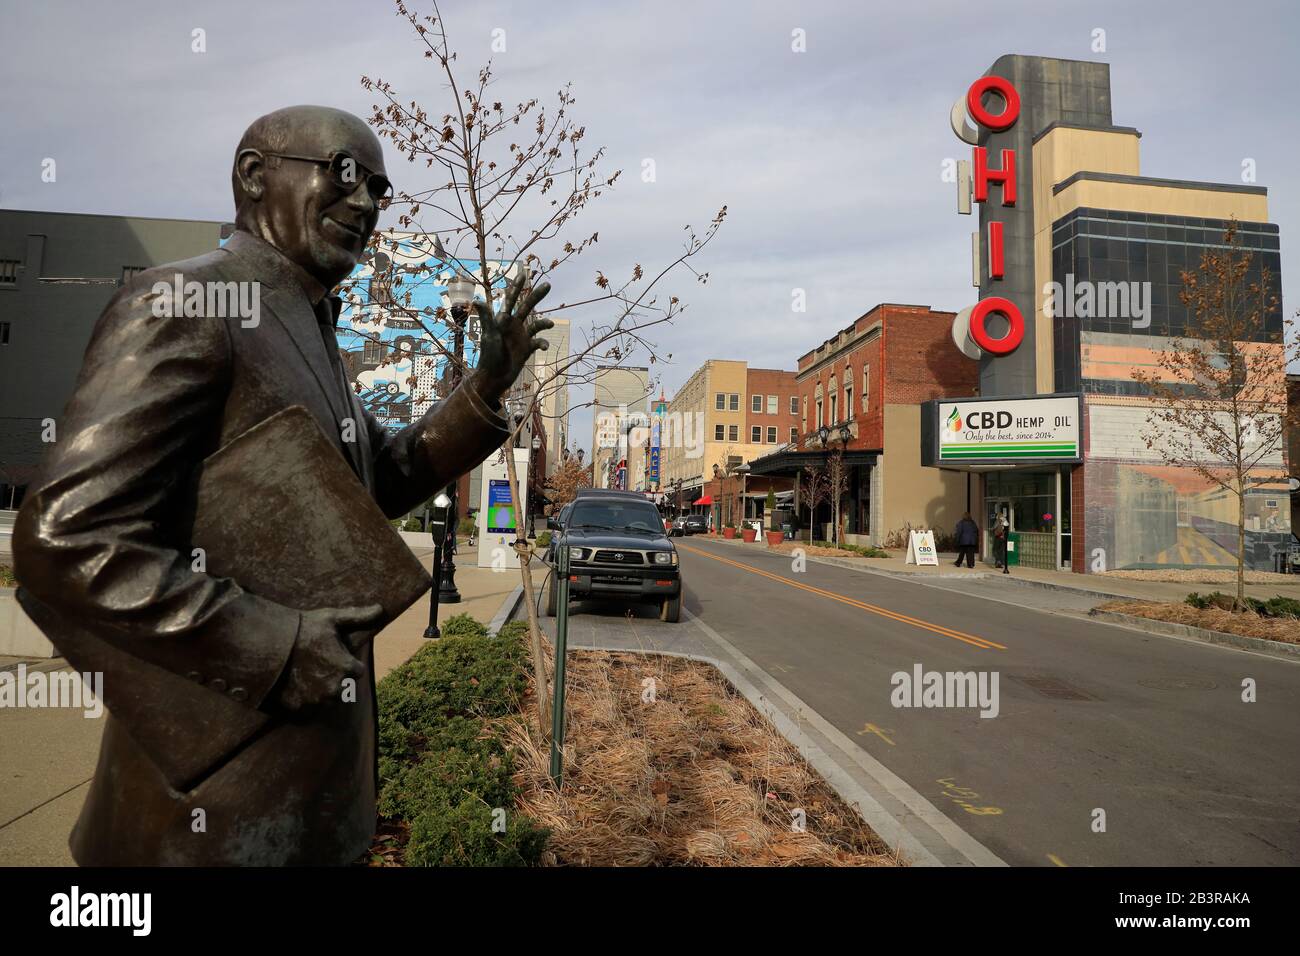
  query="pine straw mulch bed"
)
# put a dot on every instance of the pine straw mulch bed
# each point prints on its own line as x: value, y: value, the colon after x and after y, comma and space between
x: 696, y: 777
x: 788, y: 547
x: 1242, y: 623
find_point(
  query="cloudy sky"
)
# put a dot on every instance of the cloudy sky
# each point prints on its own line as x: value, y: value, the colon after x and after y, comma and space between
x: 829, y: 160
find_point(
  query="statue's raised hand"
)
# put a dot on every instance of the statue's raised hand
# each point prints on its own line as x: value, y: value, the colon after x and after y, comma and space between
x: 507, y: 339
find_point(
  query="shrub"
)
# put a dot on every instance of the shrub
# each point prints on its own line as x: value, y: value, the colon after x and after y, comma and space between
x: 443, y: 767
x: 413, y: 524
x: 466, y: 527
x: 945, y: 541
x: 1274, y: 607
x: 7, y: 579
x: 1282, y: 607
x: 899, y: 537
x: 1204, y: 601
x: 462, y: 625
x: 544, y: 539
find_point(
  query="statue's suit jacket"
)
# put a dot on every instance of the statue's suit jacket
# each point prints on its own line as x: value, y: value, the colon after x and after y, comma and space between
x: 102, y: 547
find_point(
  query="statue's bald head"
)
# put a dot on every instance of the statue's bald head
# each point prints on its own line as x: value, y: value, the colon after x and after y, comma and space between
x: 308, y: 131
x: 294, y: 203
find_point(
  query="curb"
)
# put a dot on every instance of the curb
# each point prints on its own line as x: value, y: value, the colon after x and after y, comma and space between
x: 506, y: 610
x: 922, y: 577
x: 1203, y: 635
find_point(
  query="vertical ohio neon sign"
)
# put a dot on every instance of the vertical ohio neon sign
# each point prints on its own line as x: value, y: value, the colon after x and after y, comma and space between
x: 984, y: 178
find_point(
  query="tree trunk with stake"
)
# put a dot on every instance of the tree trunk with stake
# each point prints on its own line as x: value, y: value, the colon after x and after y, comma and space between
x: 524, y: 554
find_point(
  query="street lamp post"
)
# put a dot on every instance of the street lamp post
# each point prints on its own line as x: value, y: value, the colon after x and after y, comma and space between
x: 743, y: 471
x: 437, y: 523
x: 532, y: 466
x: 517, y: 403
x: 460, y: 292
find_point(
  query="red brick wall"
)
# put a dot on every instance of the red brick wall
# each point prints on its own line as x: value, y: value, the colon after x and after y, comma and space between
x: 765, y: 382
x: 870, y: 422
x: 1078, y: 545
x: 913, y: 360
x: 921, y: 361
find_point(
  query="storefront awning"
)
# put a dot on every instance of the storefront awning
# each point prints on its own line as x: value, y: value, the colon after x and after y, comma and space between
x: 788, y: 463
x: 706, y: 500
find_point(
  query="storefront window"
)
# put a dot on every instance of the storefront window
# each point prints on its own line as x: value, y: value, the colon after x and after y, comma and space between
x: 1030, y: 497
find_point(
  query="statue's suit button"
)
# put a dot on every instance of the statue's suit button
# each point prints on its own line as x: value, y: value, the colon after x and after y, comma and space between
x: 218, y: 685
x: 195, y: 676
x: 238, y: 693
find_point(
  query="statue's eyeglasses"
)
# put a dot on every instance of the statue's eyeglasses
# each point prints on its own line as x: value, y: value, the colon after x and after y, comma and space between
x: 346, y: 173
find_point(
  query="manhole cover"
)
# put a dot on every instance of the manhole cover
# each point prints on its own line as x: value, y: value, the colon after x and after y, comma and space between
x: 1052, y: 687
x: 1178, y: 683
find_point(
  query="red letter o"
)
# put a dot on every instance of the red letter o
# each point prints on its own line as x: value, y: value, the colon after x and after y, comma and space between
x: 1010, y: 98
x: 1009, y: 342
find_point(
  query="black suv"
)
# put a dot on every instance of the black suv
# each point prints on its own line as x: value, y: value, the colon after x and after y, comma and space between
x: 618, y: 549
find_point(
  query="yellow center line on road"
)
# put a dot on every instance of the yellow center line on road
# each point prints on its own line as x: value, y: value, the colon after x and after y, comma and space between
x: 973, y: 640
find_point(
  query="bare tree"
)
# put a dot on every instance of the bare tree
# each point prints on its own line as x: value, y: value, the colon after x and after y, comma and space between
x: 837, y: 486
x: 569, y: 478
x: 814, y: 488
x: 507, y: 184
x: 1218, y: 392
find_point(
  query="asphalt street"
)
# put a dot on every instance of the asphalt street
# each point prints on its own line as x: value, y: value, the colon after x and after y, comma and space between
x: 1110, y: 746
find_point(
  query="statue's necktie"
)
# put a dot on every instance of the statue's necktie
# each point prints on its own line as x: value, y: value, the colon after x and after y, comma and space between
x: 325, y: 323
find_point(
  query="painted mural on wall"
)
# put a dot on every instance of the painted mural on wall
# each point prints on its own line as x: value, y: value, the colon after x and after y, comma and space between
x: 389, y: 331
x: 1144, y: 513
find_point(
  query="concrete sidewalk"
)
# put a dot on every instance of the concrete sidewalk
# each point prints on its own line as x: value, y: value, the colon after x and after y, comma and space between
x: 47, y: 755
x: 1101, y: 586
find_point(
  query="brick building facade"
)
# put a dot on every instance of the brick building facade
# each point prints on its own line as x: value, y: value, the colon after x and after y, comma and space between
x: 858, y: 394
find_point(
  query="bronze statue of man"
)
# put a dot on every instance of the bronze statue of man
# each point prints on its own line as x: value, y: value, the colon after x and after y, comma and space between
x: 102, y: 542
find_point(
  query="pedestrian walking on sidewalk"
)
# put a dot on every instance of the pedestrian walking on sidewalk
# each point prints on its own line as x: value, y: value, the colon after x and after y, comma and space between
x: 1000, y: 530
x: 968, y: 536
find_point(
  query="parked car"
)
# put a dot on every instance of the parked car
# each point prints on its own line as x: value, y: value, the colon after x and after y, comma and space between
x: 618, y: 550
x: 695, y: 524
